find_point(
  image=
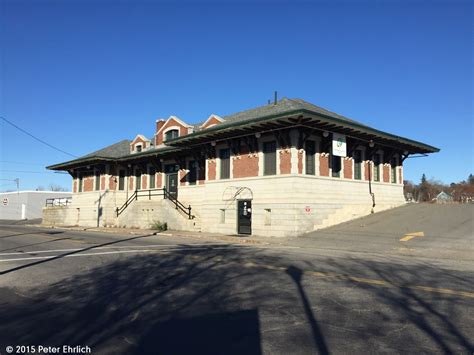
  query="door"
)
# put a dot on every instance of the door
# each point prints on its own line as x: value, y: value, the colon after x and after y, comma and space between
x: 244, y: 217
x: 172, y: 184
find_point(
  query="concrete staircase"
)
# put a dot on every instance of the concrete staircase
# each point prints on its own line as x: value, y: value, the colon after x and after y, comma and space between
x: 144, y: 213
x: 341, y: 214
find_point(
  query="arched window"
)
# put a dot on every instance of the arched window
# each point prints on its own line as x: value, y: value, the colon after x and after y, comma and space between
x: 172, y: 133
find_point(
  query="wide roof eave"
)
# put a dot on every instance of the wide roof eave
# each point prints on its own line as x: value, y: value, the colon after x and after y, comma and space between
x: 221, y: 128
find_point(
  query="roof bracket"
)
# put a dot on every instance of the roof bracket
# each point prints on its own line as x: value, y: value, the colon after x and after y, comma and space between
x: 303, y: 135
x: 283, y: 138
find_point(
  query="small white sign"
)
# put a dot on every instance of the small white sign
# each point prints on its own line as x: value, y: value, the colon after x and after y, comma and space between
x: 5, y: 201
x: 339, y: 146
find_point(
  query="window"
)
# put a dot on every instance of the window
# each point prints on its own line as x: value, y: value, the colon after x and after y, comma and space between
x: 224, y: 155
x: 310, y: 151
x: 376, y: 167
x: 121, y: 185
x: 97, y: 181
x: 138, y: 182
x: 171, y: 134
x: 139, y: 148
x: 152, y: 174
x: 267, y: 217
x: 80, y: 183
x: 393, y: 164
x: 192, y: 172
x: 269, y: 158
x: 222, y: 216
x: 357, y: 164
x: 336, y: 165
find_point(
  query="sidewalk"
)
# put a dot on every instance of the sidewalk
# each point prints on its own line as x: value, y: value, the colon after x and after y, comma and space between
x: 204, y: 236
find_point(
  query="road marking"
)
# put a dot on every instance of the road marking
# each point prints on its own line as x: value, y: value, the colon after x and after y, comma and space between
x: 177, y: 247
x: 362, y: 280
x: 410, y: 236
x: 111, y: 252
x: 77, y: 255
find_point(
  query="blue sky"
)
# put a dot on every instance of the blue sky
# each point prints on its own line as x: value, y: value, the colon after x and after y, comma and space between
x: 82, y: 75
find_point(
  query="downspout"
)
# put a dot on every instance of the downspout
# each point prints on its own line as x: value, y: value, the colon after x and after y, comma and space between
x: 372, y: 195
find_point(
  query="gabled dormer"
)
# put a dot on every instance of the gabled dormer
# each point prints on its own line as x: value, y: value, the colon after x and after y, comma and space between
x: 211, y: 121
x: 172, y: 128
x: 139, y: 144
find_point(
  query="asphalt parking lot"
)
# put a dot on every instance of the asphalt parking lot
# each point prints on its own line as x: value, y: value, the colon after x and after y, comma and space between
x: 395, y: 282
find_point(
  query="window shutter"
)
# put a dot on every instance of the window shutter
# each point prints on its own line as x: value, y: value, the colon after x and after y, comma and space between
x: 121, y: 180
x: 310, y: 152
x: 393, y: 165
x: 269, y: 158
x: 357, y: 164
x: 97, y: 181
x: 192, y: 173
x: 152, y: 173
x: 138, y: 182
x: 224, y: 155
x: 377, y: 167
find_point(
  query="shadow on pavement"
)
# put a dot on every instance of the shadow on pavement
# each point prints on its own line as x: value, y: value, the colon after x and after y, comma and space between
x: 60, y: 256
x: 220, y: 302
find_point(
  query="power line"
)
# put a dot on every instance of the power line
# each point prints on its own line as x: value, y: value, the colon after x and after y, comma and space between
x: 38, y: 139
x: 25, y: 171
x: 20, y: 162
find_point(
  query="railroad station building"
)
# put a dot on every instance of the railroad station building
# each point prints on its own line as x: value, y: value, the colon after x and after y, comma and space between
x: 282, y: 169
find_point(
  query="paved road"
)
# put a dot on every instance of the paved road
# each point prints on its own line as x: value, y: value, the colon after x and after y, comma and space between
x: 350, y: 289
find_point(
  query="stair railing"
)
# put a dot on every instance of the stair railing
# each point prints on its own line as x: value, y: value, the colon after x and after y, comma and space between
x: 178, y: 205
x: 156, y: 192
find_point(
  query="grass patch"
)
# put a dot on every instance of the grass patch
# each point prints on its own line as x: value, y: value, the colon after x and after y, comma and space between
x: 159, y: 226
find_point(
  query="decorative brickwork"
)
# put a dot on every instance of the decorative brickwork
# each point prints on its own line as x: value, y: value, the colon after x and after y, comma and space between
x: 88, y: 184
x: 245, y: 165
x: 138, y: 140
x: 130, y: 183
x: 300, y: 162
x: 171, y: 122
x: 347, y: 168
x: 285, y: 161
x: 212, y: 121
x: 144, y: 181
x: 74, y: 186
x: 386, y: 173
x: 324, y: 165
x: 367, y: 175
x: 112, y: 183
x: 211, y: 169
x: 102, y: 183
x: 400, y: 176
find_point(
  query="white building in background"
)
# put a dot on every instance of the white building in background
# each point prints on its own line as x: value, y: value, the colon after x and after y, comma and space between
x: 20, y: 205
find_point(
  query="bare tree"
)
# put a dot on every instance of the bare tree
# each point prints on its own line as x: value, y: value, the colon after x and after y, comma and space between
x: 55, y: 187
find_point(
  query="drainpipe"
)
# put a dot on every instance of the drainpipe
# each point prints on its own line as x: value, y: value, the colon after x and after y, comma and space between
x: 370, y: 188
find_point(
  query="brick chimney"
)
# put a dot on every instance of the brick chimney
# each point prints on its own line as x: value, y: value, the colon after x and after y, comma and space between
x: 159, y: 124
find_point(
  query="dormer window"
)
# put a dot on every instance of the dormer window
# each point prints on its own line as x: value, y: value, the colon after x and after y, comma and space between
x: 139, y: 148
x: 171, y: 134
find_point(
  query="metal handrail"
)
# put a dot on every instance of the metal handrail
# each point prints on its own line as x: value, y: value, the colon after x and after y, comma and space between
x: 179, y: 205
x: 58, y: 201
x: 155, y: 192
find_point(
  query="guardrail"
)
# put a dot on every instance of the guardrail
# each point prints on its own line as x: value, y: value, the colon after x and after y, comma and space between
x: 58, y: 201
x: 155, y: 192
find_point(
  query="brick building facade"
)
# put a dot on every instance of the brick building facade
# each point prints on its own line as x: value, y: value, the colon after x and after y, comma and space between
x: 265, y: 171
